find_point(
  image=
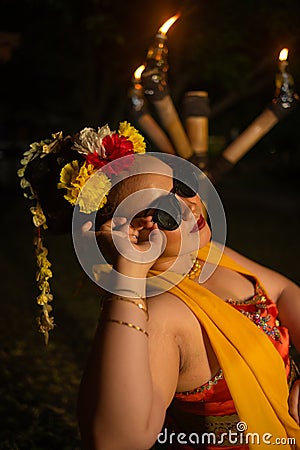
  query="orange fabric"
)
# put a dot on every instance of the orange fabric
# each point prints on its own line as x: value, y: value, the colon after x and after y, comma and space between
x: 215, y: 399
x: 254, y: 370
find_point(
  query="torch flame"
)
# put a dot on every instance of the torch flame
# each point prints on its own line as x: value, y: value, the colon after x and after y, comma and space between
x: 138, y: 73
x: 283, y: 54
x: 167, y: 25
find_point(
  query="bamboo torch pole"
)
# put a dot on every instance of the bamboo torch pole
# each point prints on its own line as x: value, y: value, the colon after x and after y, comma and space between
x: 284, y: 102
x: 195, y: 112
x: 156, y: 90
x: 140, y: 113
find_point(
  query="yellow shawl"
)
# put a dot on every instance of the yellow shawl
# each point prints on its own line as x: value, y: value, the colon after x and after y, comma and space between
x: 253, y: 369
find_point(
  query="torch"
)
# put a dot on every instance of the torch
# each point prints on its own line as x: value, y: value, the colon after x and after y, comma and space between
x: 285, y: 100
x: 156, y: 89
x: 140, y: 113
x: 284, y: 83
x: 196, y: 110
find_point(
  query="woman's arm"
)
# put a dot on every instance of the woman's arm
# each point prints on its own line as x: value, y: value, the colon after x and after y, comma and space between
x: 128, y: 383
x: 130, y: 376
x: 281, y: 290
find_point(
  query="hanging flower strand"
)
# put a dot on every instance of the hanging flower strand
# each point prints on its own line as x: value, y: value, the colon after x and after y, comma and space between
x: 45, y: 322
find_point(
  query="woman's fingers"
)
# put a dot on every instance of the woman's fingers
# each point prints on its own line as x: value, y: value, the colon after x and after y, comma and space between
x: 142, y: 222
x: 158, y: 243
x: 126, y: 240
x: 86, y: 227
x: 118, y: 221
x: 118, y: 236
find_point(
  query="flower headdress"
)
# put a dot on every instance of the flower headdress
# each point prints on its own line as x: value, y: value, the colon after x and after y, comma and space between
x: 93, y: 149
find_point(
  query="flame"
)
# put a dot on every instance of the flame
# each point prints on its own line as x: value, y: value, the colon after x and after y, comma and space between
x: 138, y: 73
x: 283, y: 54
x: 167, y: 25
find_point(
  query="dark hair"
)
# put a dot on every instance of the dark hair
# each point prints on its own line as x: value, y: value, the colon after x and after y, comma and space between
x: 43, y: 173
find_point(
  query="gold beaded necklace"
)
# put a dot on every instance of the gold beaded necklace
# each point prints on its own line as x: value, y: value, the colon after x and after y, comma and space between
x: 195, y: 270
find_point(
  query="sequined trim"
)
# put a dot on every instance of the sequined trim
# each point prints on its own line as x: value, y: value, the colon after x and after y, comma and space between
x: 260, y: 301
x: 207, y: 386
x: 258, y: 297
x: 262, y: 322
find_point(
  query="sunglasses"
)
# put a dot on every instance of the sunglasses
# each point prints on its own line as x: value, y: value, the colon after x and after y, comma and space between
x: 167, y: 210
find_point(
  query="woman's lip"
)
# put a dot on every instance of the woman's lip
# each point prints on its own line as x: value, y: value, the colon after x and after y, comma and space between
x: 201, y: 222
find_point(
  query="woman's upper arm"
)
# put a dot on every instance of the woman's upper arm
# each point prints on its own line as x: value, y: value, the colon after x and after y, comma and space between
x: 164, y: 349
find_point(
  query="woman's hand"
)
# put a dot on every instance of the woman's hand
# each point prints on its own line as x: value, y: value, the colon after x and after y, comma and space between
x: 132, y: 248
x: 294, y: 401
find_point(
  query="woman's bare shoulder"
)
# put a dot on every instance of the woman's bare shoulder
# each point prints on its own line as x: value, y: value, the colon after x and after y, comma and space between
x: 171, y: 318
x: 167, y: 342
x: 168, y: 308
x: 176, y: 344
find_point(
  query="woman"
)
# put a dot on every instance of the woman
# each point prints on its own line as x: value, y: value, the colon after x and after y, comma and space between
x: 194, y: 365
x: 178, y: 356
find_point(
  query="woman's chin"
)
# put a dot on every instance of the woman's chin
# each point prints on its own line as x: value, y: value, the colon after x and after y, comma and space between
x: 205, y: 236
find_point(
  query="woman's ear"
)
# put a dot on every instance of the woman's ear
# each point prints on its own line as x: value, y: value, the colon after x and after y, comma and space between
x: 106, y: 210
x: 104, y: 214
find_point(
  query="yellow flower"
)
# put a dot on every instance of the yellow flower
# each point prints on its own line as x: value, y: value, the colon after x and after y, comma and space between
x: 21, y: 172
x: 127, y: 130
x: 90, y: 196
x: 45, y: 323
x: 68, y: 177
x: 41, y: 257
x: 43, y: 274
x: 94, y: 194
x: 42, y: 262
x: 44, y: 298
x: 48, y: 147
x: 38, y: 216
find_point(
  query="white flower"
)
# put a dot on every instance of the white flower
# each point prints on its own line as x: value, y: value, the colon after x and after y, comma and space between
x: 90, y: 141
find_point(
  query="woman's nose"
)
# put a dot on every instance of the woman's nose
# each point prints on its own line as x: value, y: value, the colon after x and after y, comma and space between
x: 191, y: 202
x: 191, y: 205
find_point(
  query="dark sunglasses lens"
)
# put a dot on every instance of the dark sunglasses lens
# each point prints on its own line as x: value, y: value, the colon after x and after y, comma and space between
x: 167, y: 213
x: 165, y: 221
x: 186, y: 182
x: 183, y: 190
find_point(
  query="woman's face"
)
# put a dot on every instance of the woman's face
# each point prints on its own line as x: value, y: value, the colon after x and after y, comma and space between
x: 193, y: 232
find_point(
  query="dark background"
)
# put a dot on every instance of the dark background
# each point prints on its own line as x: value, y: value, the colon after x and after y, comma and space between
x: 68, y: 64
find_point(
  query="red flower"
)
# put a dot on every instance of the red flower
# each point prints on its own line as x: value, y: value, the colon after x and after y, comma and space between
x: 118, y: 165
x: 95, y: 160
x: 115, y: 147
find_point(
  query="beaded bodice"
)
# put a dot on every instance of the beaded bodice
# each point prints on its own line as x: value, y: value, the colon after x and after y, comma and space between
x: 213, y: 398
x: 260, y: 310
x: 210, y: 408
x: 263, y: 313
